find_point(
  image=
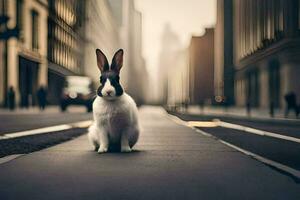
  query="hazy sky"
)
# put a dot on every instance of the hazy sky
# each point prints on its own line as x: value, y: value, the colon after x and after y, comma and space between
x: 186, y: 17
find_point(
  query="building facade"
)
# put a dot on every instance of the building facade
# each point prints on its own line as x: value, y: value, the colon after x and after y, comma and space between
x: 170, y: 48
x: 23, y: 63
x: 134, y: 75
x: 58, y: 38
x: 101, y: 31
x: 178, y: 79
x: 224, y: 68
x: 201, y: 68
x: 65, y: 43
x: 139, y: 87
x: 266, y: 51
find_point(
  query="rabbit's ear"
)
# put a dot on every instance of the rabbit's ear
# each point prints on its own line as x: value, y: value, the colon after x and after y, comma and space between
x: 117, y: 61
x: 102, y: 61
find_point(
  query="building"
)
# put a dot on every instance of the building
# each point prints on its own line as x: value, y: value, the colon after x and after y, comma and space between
x: 56, y: 38
x: 266, y: 51
x: 178, y: 79
x: 23, y: 63
x: 170, y: 48
x: 65, y: 42
x: 130, y: 23
x: 138, y: 88
x: 101, y: 31
x: 201, y: 68
x: 224, y: 68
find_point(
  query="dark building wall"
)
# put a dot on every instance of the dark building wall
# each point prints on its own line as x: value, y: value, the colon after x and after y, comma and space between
x: 224, y: 69
x: 266, y: 51
x: 228, y: 54
x: 201, y: 52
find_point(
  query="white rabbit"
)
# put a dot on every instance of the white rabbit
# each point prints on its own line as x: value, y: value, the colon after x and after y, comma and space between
x: 115, y: 112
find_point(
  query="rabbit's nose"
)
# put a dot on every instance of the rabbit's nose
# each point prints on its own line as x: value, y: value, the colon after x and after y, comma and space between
x: 109, y: 92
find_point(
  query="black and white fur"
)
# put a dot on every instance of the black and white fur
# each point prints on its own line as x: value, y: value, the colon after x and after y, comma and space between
x: 115, y: 112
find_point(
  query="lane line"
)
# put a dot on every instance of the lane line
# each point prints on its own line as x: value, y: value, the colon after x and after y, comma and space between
x: 293, y: 172
x: 277, y: 165
x: 81, y: 124
x: 255, y: 131
x: 9, y: 158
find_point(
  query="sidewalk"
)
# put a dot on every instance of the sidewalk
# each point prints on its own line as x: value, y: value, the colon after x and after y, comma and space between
x: 239, y: 112
x: 170, y: 161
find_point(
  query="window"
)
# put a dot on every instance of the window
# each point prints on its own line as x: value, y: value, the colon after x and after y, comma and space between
x: 35, y: 30
x: 3, y: 7
x: 3, y: 10
x: 19, y: 14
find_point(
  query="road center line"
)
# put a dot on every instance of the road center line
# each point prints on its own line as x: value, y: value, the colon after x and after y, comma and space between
x: 287, y: 169
x: 81, y: 124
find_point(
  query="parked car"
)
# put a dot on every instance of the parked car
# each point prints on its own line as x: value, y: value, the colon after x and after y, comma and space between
x: 78, y: 90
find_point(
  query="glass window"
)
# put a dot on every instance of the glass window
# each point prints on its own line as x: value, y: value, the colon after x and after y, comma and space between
x: 19, y: 14
x: 280, y: 15
x: 35, y: 30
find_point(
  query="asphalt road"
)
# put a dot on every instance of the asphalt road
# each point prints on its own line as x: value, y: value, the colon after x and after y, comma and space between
x: 28, y: 144
x: 281, y: 151
x: 284, y: 127
x: 20, y: 122
x: 15, y: 122
x: 170, y: 161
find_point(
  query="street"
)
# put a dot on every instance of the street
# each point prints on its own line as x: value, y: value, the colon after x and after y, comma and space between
x: 214, y: 86
x: 170, y: 161
x: 12, y: 122
x: 276, y: 149
x: 22, y: 121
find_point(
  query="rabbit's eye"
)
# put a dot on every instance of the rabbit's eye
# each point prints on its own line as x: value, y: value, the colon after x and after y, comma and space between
x: 115, y: 80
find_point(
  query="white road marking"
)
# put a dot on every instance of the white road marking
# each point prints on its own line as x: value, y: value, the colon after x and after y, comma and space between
x: 277, y: 165
x: 217, y: 122
x: 208, y: 124
x: 81, y: 124
x: 255, y: 131
x: 9, y: 158
x: 287, y: 169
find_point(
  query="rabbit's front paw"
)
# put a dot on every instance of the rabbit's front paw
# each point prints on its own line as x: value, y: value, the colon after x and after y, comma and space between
x: 102, y: 149
x: 126, y: 149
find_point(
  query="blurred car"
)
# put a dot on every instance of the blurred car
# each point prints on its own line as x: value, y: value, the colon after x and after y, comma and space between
x: 78, y: 90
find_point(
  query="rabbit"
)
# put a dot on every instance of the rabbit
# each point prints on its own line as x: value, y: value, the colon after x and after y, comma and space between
x: 115, y: 112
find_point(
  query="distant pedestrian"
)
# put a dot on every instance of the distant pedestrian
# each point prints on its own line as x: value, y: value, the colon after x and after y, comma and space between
x: 272, y: 109
x: 201, y: 105
x: 184, y: 106
x: 11, y: 95
x: 248, y: 108
x: 42, y: 97
x: 291, y: 103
